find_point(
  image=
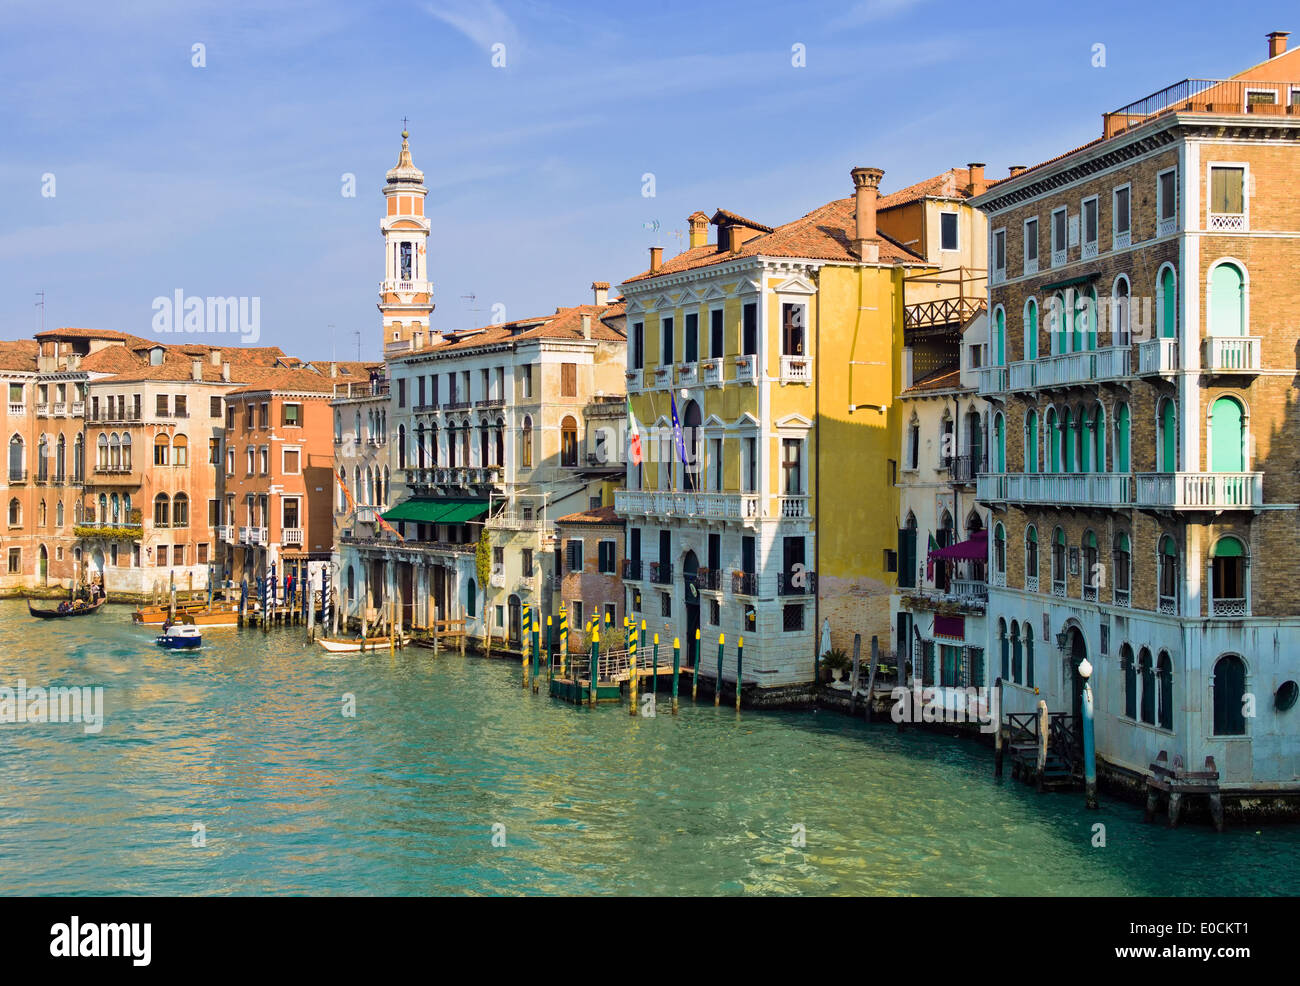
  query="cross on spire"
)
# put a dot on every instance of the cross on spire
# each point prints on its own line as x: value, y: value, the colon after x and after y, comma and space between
x: 403, y: 126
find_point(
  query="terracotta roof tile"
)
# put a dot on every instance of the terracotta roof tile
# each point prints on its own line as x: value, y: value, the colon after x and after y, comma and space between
x: 19, y: 354
x: 823, y: 234
x: 566, y: 323
x: 600, y: 515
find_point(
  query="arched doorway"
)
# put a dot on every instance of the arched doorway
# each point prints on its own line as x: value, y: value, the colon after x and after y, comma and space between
x: 97, y: 562
x: 43, y: 569
x: 516, y: 621
x: 690, y: 573
x: 1077, y: 650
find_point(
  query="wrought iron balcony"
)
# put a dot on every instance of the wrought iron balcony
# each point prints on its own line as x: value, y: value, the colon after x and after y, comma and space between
x: 796, y: 584
x: 661, y: 572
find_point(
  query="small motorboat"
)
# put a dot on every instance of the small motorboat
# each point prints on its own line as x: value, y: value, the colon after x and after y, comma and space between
x: 353, y: 645
x: 69, y: 607
x: 179, y: 637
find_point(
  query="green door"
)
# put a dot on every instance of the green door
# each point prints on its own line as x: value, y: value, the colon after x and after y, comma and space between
x: 1053, y: 442
x: 1168, y: 437
x: 1121, y: 439
x: 1031, y: 330
x: 1001, y: 341
x: 1225, y: 422
x: 1226, y: 301
x: 1168, y: 306
x: 1031, y: 442
x: 1067, y: 452
x: 1000, y: 445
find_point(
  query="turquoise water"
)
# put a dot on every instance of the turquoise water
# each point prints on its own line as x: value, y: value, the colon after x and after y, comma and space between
x: 247, y: 738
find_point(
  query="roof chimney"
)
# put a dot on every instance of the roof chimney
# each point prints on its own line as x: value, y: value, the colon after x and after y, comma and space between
x: 215, y: 356
x: 698, y: 223
x: 196, y: 368
x: 866, y: 186
x: 334, y: 369
x: 586, y: 326
x: 600, y: 290
x: 225, y: 372
x: 1277, y: 43
x: 977, y: 184
x: 656, y: 258
x: 1016, y: 169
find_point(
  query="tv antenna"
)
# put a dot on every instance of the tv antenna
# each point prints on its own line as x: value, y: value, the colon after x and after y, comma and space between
x: 41, y: 305
x: 358, y: 335
x: 471, y: 298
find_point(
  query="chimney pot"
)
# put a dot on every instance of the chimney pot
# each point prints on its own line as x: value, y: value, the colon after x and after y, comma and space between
x: 600, y: 292
x: 698, y: 223
x: 866, y: 189
x: 225, y: 372
x: 334, y: 369
x: 656, y: 258
x: 586, y: 326
x: 1016, y: 169
x: 196, y: 369
x: 977, y: 184
x: 215, y: 356
x: 1277, y: 43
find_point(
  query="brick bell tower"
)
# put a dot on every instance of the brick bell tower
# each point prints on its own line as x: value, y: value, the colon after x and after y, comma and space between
x: 406, y: 293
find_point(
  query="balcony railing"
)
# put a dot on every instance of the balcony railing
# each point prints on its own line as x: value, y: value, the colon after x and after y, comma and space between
x: 744, y: 583
x: 42, y: 409
x: 1069, y: 369
x: 1120, y: 597
x: 687, y: 372
x: 17, y: 407
x: 1167, y: 605
x: 633, y: 569
x: 796, y: 369
x: 711, y: 372
x: 969, y: 589
x: 1031, y: 583
x: 1217, y: 96
x: 1200, y: 490
x: 1231, y: 354
x: 796, y: 584
x: 1228, y: 222
x: 17, y: 475
x: 709, y: 579
x: 794, y: 506
x: 964, y: 468
x: 1056, y: 489
x: 291, y: 537
x: 661, y: 572
x: 1228, y: 607
x: 635, y: 381
x: 1157, y: 356
x: 666, y: 503
x: 225, y: 532
x: 746, y: 368
x: 992, y: 379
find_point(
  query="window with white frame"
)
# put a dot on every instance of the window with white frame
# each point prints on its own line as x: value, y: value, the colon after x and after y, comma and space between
x: 1088, y: 209
x: 1166, y: 202
x: 1121, y: 219
x: 1227, y: 197
x: 1059, y: 232
x: 999, y: 253
x: 1031, y: 245
x: 948, y: 231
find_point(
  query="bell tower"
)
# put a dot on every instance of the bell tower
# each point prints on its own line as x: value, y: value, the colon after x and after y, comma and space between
x: 406, y: 294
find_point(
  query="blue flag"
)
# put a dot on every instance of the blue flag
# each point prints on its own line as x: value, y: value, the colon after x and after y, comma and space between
x: 677, y: 431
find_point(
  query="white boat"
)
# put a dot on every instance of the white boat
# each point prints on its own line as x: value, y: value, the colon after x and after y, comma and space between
x: 179, y: 636
x: 354, y: 645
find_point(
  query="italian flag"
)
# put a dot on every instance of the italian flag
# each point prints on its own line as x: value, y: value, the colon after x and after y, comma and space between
x: 633, y: 436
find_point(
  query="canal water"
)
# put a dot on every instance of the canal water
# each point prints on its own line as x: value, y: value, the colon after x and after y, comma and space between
x: 247, y: 738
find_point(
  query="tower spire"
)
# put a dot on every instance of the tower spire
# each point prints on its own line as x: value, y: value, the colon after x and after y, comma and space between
x: 406, y: 294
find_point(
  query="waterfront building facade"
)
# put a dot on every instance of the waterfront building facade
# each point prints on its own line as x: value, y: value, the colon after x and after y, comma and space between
x: 590, y: 547
x: 780, y: 349
x: 1143, y: 470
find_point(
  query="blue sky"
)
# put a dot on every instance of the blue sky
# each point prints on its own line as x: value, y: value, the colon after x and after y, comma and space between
x: 226, y: 179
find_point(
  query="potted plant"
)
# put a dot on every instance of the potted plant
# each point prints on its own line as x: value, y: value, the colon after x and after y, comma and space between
x: 836, y: 662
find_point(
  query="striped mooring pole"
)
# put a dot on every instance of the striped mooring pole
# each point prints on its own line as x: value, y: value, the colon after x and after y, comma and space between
x: 524, y: 648
x: 677, y: 665
x: 740, y: 663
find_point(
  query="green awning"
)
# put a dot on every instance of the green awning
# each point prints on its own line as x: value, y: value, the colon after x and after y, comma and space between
x: 436, y: 510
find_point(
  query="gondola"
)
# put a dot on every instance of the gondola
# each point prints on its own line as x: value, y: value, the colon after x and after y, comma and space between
x: 55, y: 614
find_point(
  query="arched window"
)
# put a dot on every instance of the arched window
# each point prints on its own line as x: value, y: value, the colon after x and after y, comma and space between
x: 181, y: 510
x: 1167, y: 304
x: 1227, y: 301
x: 1059, y: 324
x: 352, y: 583
x: 78, y: 459
x: 1122, y: 439
x: 1121, y: 302
x: 1067, y: 440
x: 1229, y: 690
x: 60, y: 459
x: 1228, y: 578
x: 343, y: 483
x: 419, y: 446
x: 58, y: 514
x: 161, y: 510
x: 1004, y: 644
x: 43, y: 459
x: 1099, y: 439
x: 161, y: 450
x: 1027, y: 635
x: 115, y: 507
x: 1031, y: 441
x: 102, y: 516
x: 388, y: 489
x: 1167, y: 436
x: 500, y: 457
x: 126, y: 452
x: 401, y: 444
x: 1053, y: 441
x: 1017, y: 658
x: 17, y: 465
x: 1058, y: 563
x: 433, y: 444
x: 41, y: 517
x: 471, y: 599
x: 1168, y: 575
x: 114, y: 452
x: 1031, y: 559
x: 1078, y: 321
x: 1123, y: 561
x: 526, y: 443
x: 1000, y: 553
x: 1165, y: 691
x: 1086, y: 441
x: 1090, y: 320
x: 1147, y: 676
x: 1129, y: 667
x: 1227, y: 436
x: 180, y: 451
x: 483, y: 443
x: 15, y: 512
x: 338, y: 427
x: 569, y: 442
x: 1031, y: 329
x: 1091, y: 570
x: 1000, y: 337
x: 999, y: 444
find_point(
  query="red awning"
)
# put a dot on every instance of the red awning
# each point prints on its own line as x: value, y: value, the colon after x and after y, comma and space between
x: 976, y: 548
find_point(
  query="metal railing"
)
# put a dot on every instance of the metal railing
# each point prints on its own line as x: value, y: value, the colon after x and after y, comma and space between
x: 1219, y: 96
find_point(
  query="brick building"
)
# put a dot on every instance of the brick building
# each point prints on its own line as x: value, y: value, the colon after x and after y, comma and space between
x: 1143, y: 463
x: 588, y: 560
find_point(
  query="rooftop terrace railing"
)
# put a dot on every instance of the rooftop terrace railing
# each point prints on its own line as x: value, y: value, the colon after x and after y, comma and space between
x: 1219, y: 96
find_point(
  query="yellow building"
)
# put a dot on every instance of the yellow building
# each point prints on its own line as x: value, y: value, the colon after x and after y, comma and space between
x: 781, y: 348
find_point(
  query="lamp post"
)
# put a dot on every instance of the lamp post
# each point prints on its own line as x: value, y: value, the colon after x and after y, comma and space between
x: 1089, y: 747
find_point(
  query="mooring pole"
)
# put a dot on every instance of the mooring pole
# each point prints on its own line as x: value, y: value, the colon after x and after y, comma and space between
x: 631, y: 667
x: 998, y: 753
x: 654, y: 678
x: 677, y: 665
x: 564, y: 641
x: 695, y: 667
x: 595, y: 660
x: 1044, y: 724
x: 550, y: 660
x: 740, y: 664
x: 717, y: 682
x: 1089, y: 747
x: 853, y: 678
x: 537, y: 671
x: 524, y: 648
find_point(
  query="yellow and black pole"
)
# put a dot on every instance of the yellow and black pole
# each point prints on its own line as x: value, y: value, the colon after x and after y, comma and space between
x: 695, y: 668
x: 524, y: 648
x: 537, y: 671
x: 564, y: 641
x: 677, y: 664
x: 740, y: 664
x: 717, y: 682
x: 631, y: 668
x: 654, y: 678
x: 550, y: 668
x: 595, y: 659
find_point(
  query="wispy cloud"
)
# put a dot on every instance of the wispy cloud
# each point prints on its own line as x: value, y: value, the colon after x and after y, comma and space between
x: 483, y: 22
x: 869, y: 11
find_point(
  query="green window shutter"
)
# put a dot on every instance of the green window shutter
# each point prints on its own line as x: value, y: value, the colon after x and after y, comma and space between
x: 1169, y: 306
x: 1226, y: 297
x: 1225, y: 423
